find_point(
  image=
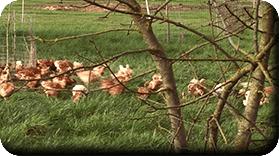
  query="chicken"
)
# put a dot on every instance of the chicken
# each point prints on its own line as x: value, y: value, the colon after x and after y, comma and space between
x: 183, y: 95
x: 18, y: 66
x: 59, y: 82
x: 242, y: 91
x: 63, y: 65
x: 69, y: 80
x: 53, y: 93
x: 155, y: 84
x: 99, y: 70
x: 194, y: 87
x: 47, y: 63
x: 122, y: 75
x: 5, y: 74
x: 53, y: 86
x: 77, y: 65
x: 220, y: 87
x: 63, y: 78
x: 125, y: 72
x: 45, y: 70
x: 143, y: 90
x: 88, y: 76
x: 35, y: 83
x: 117, y: 88
x: 105, y: 84
x: 268, y: 91
x: 246, y: 98
x: 157, y: 77
x: 79, y: 91
x: 6, y: 88
x: 28, y: 73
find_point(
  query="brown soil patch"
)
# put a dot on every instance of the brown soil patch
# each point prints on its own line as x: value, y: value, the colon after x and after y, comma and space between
x: 92, y: 8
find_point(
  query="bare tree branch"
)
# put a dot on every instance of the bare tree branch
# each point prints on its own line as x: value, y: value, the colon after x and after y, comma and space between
x: 249, y: 27
x: 256, y: 27
x: 81, y: 36
x: 161, y: 7
x: 110, y: 11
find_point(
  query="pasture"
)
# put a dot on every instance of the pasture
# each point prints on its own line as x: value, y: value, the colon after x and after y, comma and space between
x: 32, y: 123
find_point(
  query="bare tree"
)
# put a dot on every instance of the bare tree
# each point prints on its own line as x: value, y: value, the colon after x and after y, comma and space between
x: 257, y: 64
x: 163, y: 66
x: 245, y: 131
x: 259, y: 69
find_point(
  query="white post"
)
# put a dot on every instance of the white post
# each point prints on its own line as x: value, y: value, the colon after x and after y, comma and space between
x: 22, y: 12
x: 147, y: 8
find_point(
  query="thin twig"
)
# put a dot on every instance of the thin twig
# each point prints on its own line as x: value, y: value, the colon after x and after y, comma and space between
x: 231, y: 59
x: 221, y: 131
x: 195, y: 119
x: 159, y: 130
x: 85, y: 6
x: 249, y: 27
x: 82, y: 36
x: 193, y: 68
x: 213, y: 38
x: 256, y: 27
x: 110, y: 11
x: 206, y: 134
x: 161, y: 7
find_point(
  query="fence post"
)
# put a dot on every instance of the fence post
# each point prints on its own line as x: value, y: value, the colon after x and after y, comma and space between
x: 14, y: 42
x: 7, y: 34
x: 22, y: 12
x: 32, y: 52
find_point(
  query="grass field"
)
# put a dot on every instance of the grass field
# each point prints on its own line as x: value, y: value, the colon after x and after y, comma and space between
x: 102, y: 123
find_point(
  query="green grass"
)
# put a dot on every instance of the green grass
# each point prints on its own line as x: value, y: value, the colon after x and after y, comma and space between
x: 102, y: 123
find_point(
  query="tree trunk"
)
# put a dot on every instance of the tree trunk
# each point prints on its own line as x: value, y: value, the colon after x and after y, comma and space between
x: 245, y: 131
x: 164, y: 67
x: 221, y: 103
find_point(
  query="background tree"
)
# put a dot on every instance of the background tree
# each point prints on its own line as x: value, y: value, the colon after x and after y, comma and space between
x: 259, y: 72
x: 243, y: 138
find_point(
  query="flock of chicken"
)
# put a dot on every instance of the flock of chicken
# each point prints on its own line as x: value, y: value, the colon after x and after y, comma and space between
x: 55, y: 76
x: 198, y: 87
